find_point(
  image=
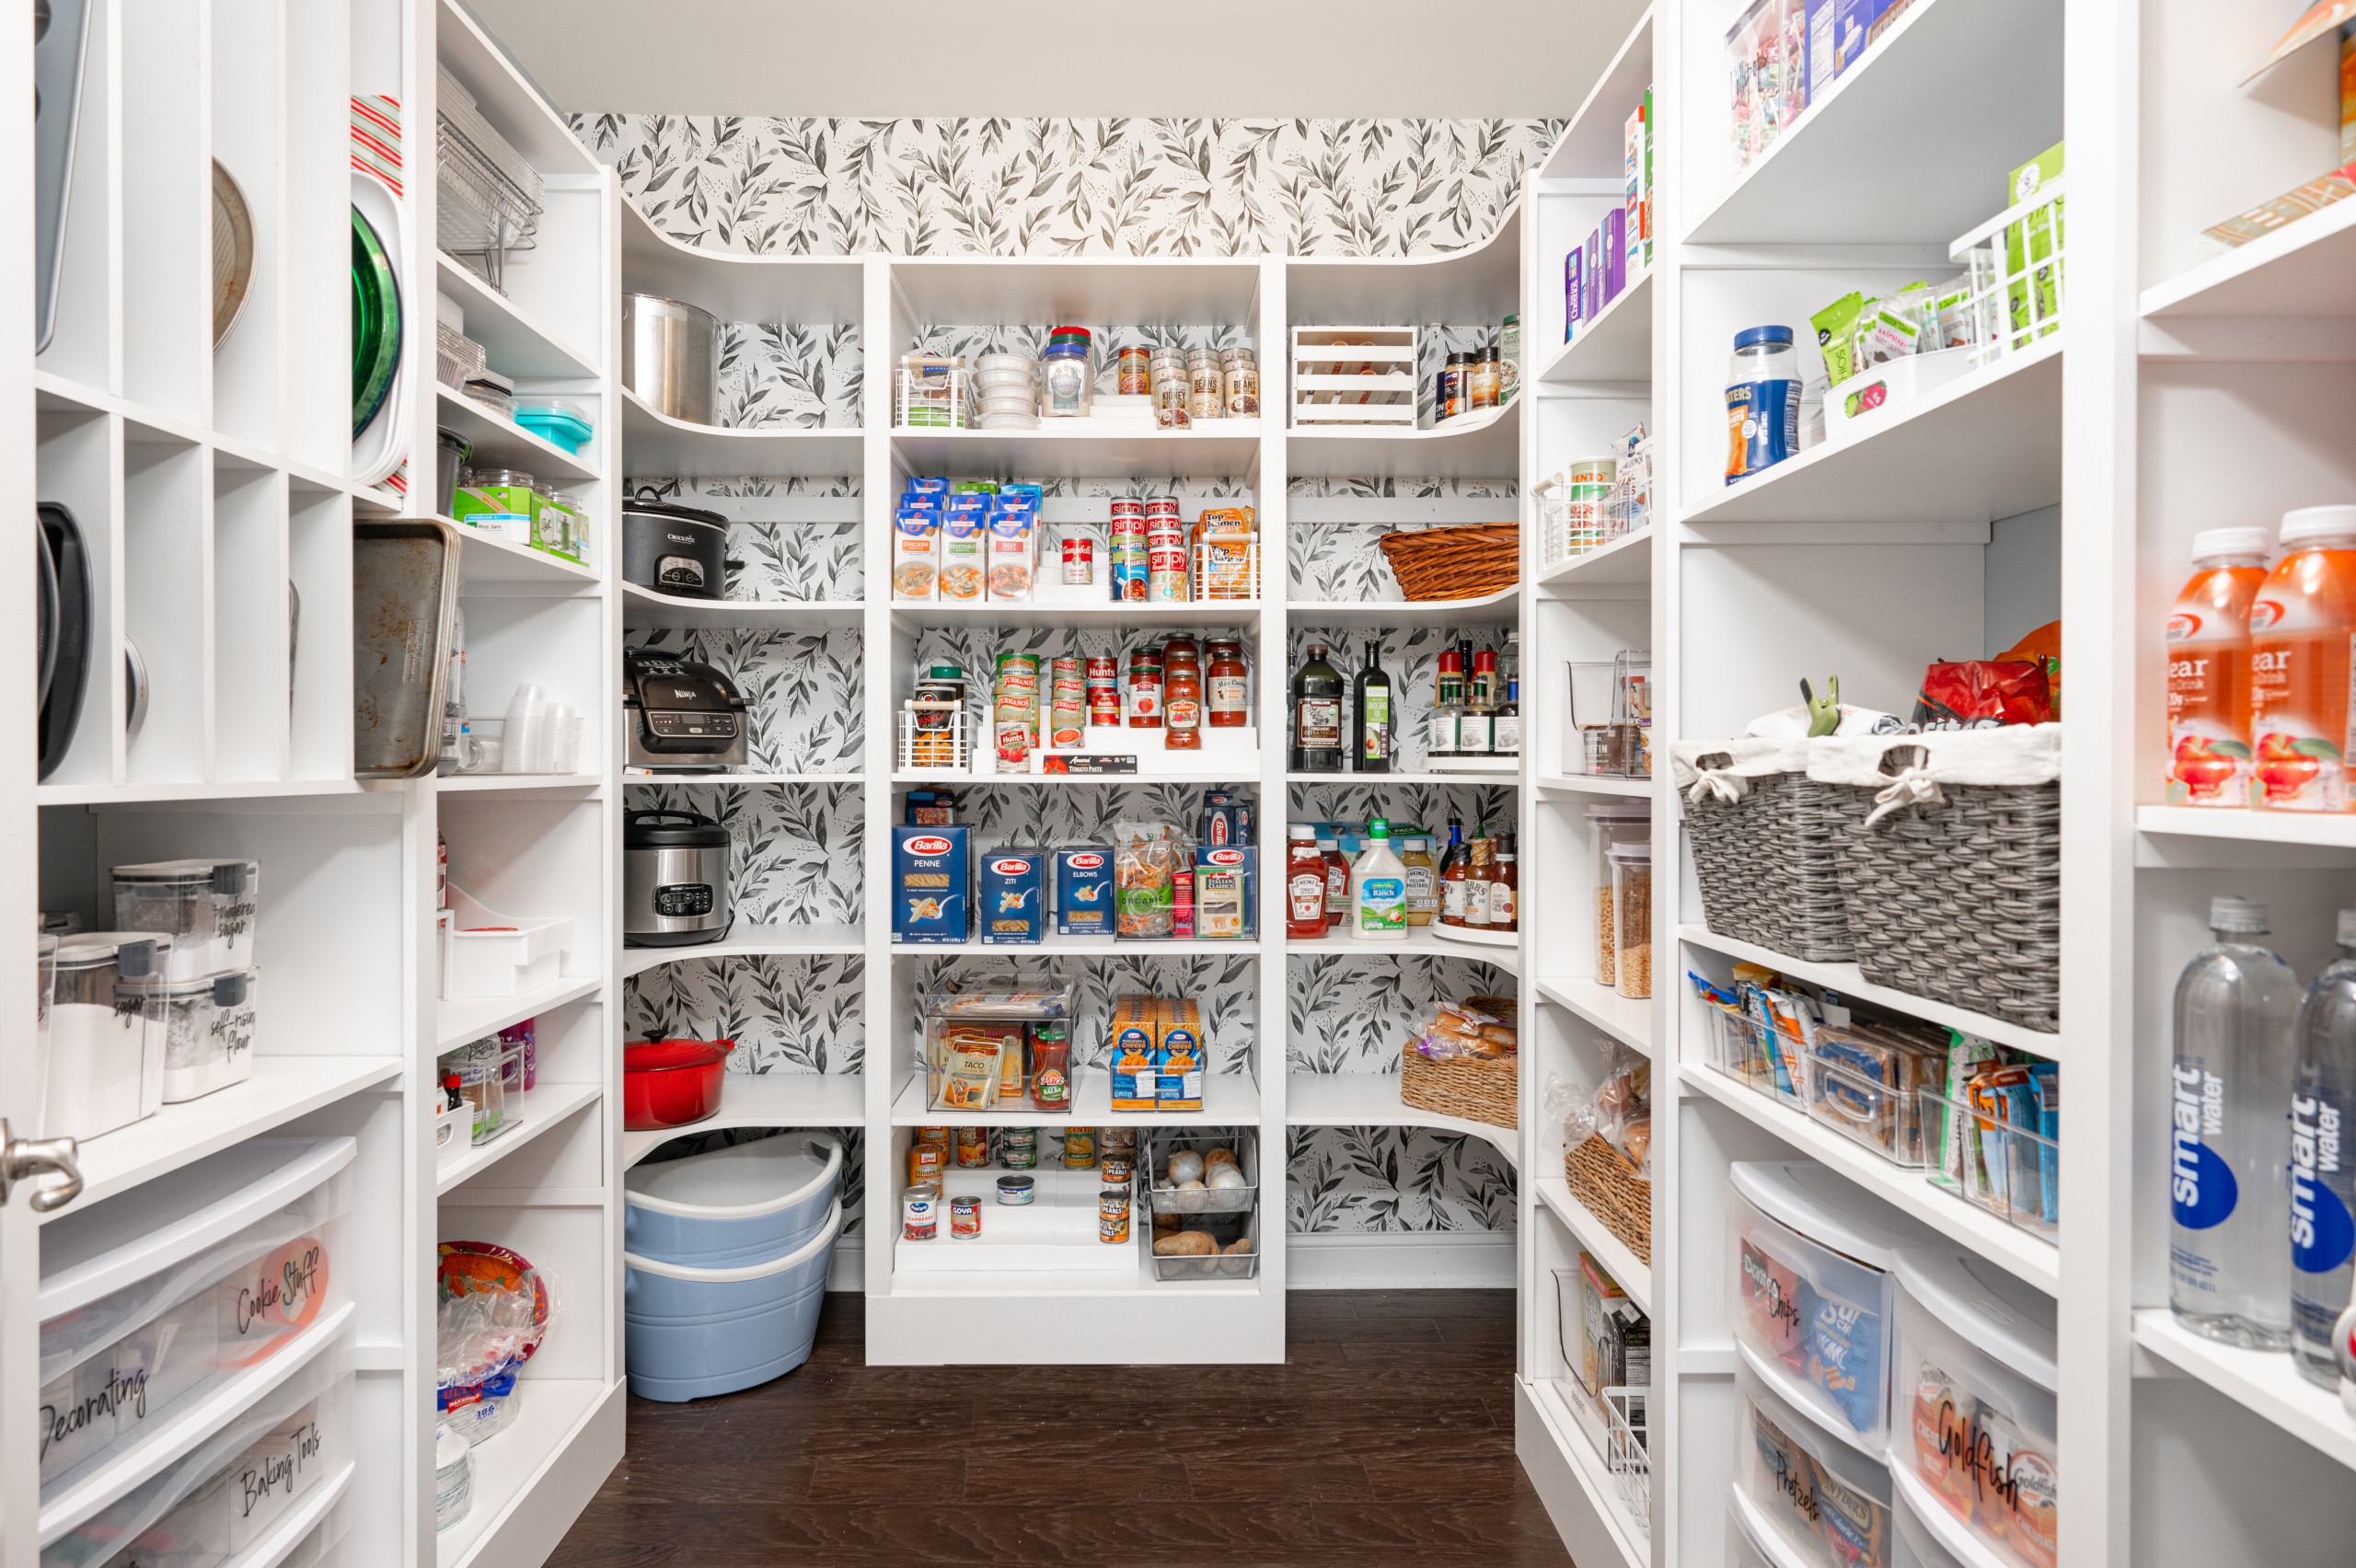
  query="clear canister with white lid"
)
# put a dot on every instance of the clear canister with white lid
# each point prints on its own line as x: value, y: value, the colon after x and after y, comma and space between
x: 1631, y: 918
x: 105, y: 1068
x: 206, y: 906
x: 208, y: 1033
x: 1609, y: 824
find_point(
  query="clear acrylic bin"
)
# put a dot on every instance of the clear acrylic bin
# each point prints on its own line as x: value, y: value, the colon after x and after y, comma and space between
x: 1747, y: 1051
x: 1878, y: 1115
x: 152, y: 1297
x: 2014, y: 1173
x: 1826, y: 1500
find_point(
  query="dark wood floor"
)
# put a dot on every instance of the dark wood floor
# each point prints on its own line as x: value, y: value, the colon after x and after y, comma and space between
x: 1387, y: 1438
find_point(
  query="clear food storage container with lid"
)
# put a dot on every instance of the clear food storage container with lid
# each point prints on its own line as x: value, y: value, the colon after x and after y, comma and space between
x: 208, y: 1033
x: 154, y: 1299
x: 1973, y: 1375
x: 1807, y: 1289
x: 206, y: 906
x: 1810, y: 1488
x: 105, y: 1066
x: 1609, y: 824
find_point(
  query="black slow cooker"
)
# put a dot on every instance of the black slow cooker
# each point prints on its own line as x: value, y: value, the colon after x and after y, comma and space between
x: 675, y: 549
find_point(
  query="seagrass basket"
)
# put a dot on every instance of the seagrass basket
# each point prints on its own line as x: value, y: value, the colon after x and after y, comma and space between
x: 1455, y: 563
x: 1475, y: 1090
x: 1603, y: 1181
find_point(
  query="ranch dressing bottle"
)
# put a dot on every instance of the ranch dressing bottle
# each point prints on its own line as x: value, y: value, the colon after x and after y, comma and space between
x: 1379, y: 889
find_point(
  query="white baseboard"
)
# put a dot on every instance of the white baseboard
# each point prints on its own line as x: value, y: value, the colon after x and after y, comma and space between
x: 1401, y: 1260
x: 1357, y: 1260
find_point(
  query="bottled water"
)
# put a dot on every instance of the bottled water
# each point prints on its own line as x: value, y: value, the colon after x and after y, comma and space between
x: 2323, y: 1180
x: 2229, y: 1276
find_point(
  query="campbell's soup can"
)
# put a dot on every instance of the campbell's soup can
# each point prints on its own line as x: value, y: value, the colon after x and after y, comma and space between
x: 920, y: 1214
x: 1079, y: 560
x: 1103, y: 690
x: 964, y: 1217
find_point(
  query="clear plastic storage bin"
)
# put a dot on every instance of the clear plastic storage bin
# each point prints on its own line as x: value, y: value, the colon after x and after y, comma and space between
x: 2000, y: 1166
x: 208, y: 1033
x: 1808, y: 1488
x: 169, y: 1290
x: 1872, y: 1106
x: 104, y: 1068
x: 1807, y: 1289
x: 205, y: 906
x: 1913, y: 1542
x: 1974, y: 1402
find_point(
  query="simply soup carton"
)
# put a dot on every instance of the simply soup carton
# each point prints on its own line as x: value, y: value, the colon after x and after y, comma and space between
x: 929, y: 883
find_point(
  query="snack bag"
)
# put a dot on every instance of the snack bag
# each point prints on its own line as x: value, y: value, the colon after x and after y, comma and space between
x: 1975, y: 694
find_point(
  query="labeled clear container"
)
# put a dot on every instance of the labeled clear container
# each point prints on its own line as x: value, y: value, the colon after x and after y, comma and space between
x: 206, y: 906
x: 1745, y: 1049
x: 208, y: 1033
x: 490, y: 1081
x: 2002, y: 1166
x: 173, y: 1288
x: 1608, y: 825
x: 976, y: 1046
x: 1973, y: 1367
x: 1631, y: 917
x: 105, y: 1066
x: 1824, y: 1499
x: 1808, y: 1291
x: 1067, y: 381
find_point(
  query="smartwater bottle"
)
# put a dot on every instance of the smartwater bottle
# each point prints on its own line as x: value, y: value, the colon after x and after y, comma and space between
x: 2229, y: 1196
x: 2323, y: 1183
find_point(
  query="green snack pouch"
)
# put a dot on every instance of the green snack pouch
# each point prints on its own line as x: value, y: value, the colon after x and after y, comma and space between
x: 1836, y: 335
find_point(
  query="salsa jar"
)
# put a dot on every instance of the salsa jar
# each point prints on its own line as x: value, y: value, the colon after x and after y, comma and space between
x: 1227, y: 686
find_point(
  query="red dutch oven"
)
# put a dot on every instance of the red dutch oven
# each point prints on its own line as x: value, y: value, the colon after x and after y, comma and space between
x: 670, y: 1083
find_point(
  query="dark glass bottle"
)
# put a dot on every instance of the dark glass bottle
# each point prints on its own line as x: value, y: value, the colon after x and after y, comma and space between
x: 1317, y: 690
x: 1370, y: 734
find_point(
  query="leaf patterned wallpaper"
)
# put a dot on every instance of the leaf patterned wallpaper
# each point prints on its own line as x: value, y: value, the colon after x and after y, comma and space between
x: 1070, y: 187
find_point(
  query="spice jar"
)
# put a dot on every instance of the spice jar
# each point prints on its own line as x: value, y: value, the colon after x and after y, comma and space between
x: 1182, y: 695
x: 1607, y: 826
x: 1631, y: 917
x: 1450, y: 398
x: 1145, y: 688
x: 1242, y: 374
x: 1227, y: 686
x: 1480, y: 380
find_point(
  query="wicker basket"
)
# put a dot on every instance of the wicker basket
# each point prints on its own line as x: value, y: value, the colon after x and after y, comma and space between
x: 1455, y: 563
x: 1957, y: 898
x: 1462, y: 1086
x: 1766, y: 860
x: 1602, y: 1180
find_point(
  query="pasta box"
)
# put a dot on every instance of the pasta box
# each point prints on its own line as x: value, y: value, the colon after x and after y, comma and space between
x: 1084, y: 891
x: 1223, y: 891
x: 1013, y: 895
x: 929, y: 883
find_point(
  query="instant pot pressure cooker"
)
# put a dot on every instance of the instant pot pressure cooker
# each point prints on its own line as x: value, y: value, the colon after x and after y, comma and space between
x: 675, y: 880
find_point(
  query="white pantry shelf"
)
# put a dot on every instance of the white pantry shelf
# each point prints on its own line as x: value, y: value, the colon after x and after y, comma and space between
x: 1593, y: 144
x: 1371, y: 1100
x: 1627, y: 559
x: 471, y: 1018
x: 644, y: 607
x: 486, y: 557
x: 1474, y: 284
x: 672, y: 449
x: 553, y: 1416
x: 1500, y: 608
x: 745, y: 940
x: 1229, y: 1099
x: 145, y: 789
x: 1469, y: 446
x: 767, y: 1099
x: 1628, y: 1271
x: 1594, y: 784
x: 501, y: 783
x: 2318, y: 829
x: 1543, y: 1416
x: 1054, y: 946
x: 1245, y: 771
x: 1616, y: 345
x: 1504, y: 778
x: 2302, y: 269
x: 503, y: 442
x: 2258, y: 1381
x: 545, y: 1106
x: 1421, y: 942
x: 736, y: 285
x: 750, y: 777
x: 1099, y: 448
x: 514, y: 344
x: 1626, y: 1019
x: 1177, y: 615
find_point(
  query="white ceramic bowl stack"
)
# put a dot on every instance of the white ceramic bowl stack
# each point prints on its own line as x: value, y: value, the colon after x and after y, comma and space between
x: 1008, y: 387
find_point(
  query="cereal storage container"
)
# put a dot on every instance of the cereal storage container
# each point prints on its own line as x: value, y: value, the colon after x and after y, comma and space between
x: 171, y: 1289
x: 208, y: 1033
x: 1808, y: 1487
x: 206, y: 906
x: 105, y: 1066
x: 1808, y: 1290
x: 1973, y: 1394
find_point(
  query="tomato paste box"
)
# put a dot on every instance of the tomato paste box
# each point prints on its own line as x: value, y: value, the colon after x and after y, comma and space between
x: 1013, y: 895
x: 1129, y: 1039
x: 1084, y: 891
x: 930, y: 875
x: 1179, y: 1053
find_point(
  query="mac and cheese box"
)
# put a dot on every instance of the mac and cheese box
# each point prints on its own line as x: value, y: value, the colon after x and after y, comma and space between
x: 1133, y: 1052
x: 1180, y: 1053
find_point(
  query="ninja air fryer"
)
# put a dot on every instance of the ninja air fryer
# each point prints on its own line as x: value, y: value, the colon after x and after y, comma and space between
x: 675, y: 880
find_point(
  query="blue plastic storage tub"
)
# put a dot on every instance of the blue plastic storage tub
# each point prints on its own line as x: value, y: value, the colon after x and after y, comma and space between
x: 693, y: 1333
x: 744, y: 1205
x: 561, y: 423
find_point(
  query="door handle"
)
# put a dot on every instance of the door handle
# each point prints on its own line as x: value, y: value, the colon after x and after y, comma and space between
x: 22, y: 1159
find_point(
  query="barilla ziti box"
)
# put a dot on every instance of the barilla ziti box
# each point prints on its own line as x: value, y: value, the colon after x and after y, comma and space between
x: 1011, y: 893
x: 1130, y: 1048
x: 1179, y: 1052
x: 1084, y: 891
x: 928, y: 884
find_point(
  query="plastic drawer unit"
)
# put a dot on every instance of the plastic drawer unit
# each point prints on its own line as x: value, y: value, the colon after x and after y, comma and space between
x: 169, y: 1310
x: 1751, y: 1542
x: 1807, y: 1286
x: 1972, y: 1406
x: 1913, y: 1542
x: 1807, y: 1487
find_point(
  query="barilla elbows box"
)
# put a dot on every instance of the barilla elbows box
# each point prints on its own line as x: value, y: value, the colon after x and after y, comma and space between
x: 1011, y: 894
x: 1084, y: 891
x: 1130, y: 1049
x: 929, y: 884
x: 1179, y: 1053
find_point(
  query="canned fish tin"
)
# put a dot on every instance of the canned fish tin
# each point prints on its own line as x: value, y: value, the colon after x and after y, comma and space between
x: 1112, y: 1215
x: 1019, y: 1148
x: 965, y: 1218
x: 919, y: 1215
x: 1079, y: 560
x: 1016, y: 1191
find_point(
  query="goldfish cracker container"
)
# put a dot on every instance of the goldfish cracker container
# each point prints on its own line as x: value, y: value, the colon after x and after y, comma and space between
x: 2208, y: 759
x: 2299, y: 627
x: 1812, y: 1489
x: 1972, y: 1442
x: 1808, y: 1292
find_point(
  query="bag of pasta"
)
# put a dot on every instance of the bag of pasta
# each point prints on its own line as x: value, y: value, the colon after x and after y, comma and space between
x: 1145, y: 862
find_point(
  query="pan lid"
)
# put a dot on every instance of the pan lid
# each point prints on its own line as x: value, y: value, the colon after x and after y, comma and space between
x: 649, y: 501
x: 668, y: 1056
x: 672, y: 830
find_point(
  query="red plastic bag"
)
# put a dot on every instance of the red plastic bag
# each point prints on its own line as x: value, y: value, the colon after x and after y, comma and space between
x: 1970, y: 693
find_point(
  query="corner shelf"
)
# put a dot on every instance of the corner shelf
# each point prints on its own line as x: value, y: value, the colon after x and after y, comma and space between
x: 643, y: 608
x: 504, y: 441
x: 2262, y: 1382
x: 1085, y: 449
x: 1371, y: 1100
x: 1420, y: 943
x: 767, y: 1099
x: 1615, y: 345
x: 1626, y: 561
x: 748, y: 940
x: 545, y: 1106
x: 657, y: 444
x: 1229, y: 1099
x: 513, y: 343
x: 1469, y: 446
x: 1500, y: 608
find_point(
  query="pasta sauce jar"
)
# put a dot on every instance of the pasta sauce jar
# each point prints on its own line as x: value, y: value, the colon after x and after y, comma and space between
x: 1144, y: 689
x: 1182, y: 695
x: 1227, y: 686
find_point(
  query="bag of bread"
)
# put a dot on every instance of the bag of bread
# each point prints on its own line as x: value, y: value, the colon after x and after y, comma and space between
x: 1623, y: 1108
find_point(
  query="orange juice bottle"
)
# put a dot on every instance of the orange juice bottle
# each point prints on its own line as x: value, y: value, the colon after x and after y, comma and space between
x: 2300, y: 625
x: 2208, y: 636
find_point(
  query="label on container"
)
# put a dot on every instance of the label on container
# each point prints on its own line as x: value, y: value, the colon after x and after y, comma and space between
x: 1317, y: 724
x: 1305, y: 896
x: 1762, y: 426
x: 1376, y: 717
x: 1382, y: 903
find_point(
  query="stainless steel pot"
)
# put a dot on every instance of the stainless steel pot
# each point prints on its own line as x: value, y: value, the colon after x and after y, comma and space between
x: 671, y: 356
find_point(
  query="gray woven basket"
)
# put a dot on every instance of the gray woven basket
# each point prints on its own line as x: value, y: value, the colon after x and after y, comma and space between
x: 1767, y: 865
x: 1959, y: 900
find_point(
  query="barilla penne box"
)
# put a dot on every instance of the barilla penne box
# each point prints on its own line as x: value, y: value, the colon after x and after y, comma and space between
x: 1132, y: 1053
x: 1179, y: 1053
x: 1013, y: 895
x: 929, y: 883
x: 1084, y: 891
